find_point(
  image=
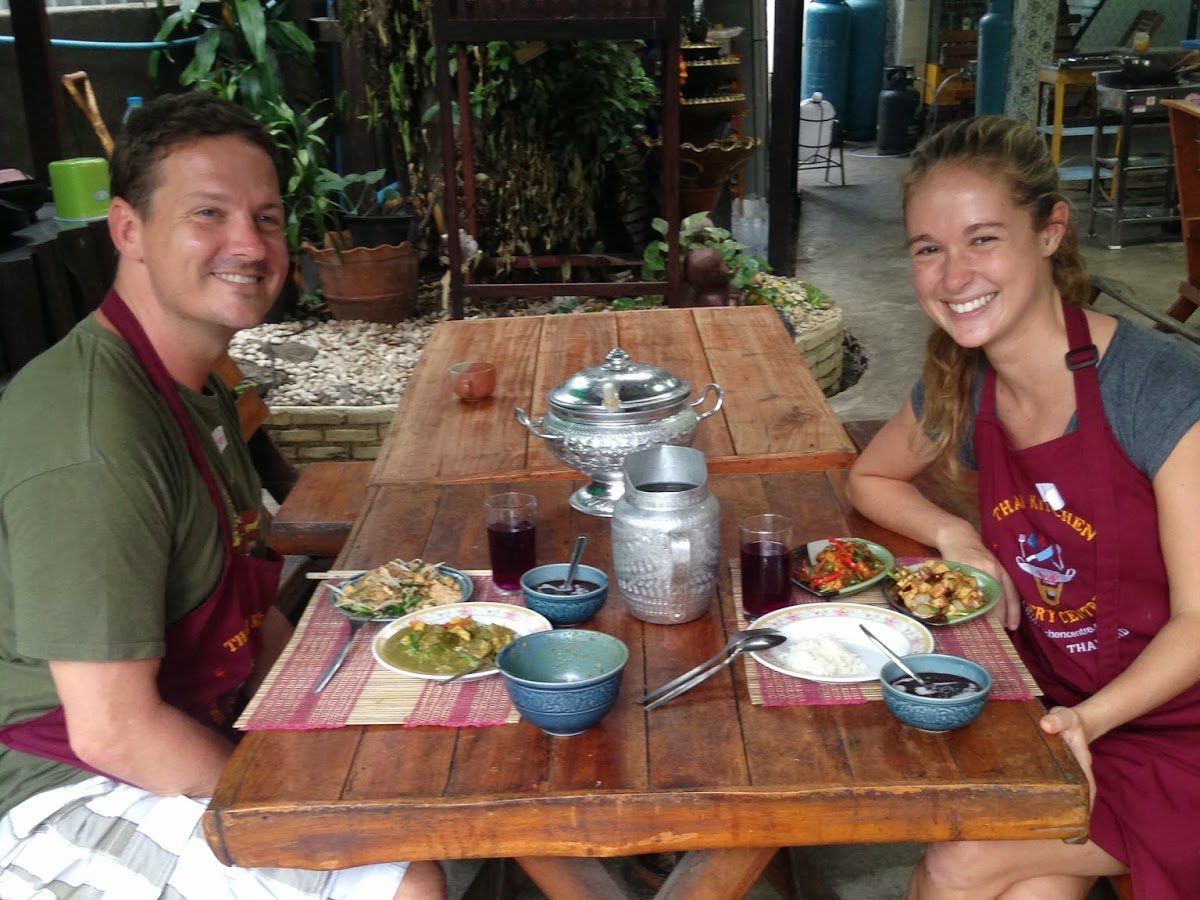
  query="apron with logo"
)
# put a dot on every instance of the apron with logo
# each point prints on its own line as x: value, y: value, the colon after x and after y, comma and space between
x: 1075, y: 524
x: 211, y: 651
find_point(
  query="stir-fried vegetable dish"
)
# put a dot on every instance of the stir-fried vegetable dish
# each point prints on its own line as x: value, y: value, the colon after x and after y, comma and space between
x: 934, y: 589
x: 448, y: 649
x: 397, y: 588
x: 839, y: 565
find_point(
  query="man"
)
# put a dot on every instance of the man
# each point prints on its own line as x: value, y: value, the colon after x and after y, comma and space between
x: 135, y: 590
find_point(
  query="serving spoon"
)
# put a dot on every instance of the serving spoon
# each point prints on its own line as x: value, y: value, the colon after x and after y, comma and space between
x: 741, y: 642
x: 887, y: 651
x: 565, y: 588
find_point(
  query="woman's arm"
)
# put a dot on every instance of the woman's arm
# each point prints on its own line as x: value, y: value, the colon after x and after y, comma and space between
x: 880, y: 487
x: 1170, y: 663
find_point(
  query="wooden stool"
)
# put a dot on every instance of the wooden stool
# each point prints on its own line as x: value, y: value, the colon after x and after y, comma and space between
x: 317, y: 515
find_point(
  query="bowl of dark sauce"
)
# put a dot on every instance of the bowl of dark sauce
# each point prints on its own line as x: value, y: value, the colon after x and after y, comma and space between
x: 543, y: 592
x: 955, y: 691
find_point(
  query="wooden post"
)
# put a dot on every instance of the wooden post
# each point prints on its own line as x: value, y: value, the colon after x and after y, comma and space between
x: 38, y: 94
x: 785, y: 135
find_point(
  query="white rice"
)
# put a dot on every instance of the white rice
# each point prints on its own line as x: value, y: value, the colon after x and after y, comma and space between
x: 822, y: 655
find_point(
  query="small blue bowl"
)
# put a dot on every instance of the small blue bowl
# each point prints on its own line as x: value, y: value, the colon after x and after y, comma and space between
x: 933, y: 713
x: 564, y: 610
x: 564, y: 682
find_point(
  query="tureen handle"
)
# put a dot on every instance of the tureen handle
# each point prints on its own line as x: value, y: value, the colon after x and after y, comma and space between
x: 535, y: 426
x: 716, y: 389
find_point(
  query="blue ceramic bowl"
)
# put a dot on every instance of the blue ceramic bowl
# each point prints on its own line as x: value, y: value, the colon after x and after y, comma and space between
x: 564, y: 610
x: 564, y: 682
x: 932, y: 713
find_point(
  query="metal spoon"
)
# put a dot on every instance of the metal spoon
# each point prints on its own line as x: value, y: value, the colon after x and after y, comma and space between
x: 754, y: 639
x: 565, y: 587
x: 485, y: 662
x: 920, y: 679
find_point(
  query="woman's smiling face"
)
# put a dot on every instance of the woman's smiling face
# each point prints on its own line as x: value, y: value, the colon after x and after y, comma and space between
x: 979, y: 265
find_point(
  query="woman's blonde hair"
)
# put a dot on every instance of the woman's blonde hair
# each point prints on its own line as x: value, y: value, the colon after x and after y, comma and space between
x: 1018, y: 153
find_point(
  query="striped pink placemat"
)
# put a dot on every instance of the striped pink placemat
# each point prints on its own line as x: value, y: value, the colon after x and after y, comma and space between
x: 981, y: 640
x: 362, y: 692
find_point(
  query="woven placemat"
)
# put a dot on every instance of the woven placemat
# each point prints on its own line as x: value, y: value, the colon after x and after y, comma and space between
x: 982, y: 640
x: 362, y: 692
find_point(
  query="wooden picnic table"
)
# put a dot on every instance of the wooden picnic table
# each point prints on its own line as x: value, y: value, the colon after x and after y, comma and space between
x: 709, y: 773
x: 775, y: 417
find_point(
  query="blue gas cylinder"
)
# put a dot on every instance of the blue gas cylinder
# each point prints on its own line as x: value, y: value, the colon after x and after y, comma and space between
x: 824, y: 60
x: 868, y: 32
x: 995, y: 45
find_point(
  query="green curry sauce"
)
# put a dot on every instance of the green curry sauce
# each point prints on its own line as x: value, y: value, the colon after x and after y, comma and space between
x: 445, y: 649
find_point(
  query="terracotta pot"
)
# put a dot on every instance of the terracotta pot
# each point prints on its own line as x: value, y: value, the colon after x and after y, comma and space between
x: 374, y: 284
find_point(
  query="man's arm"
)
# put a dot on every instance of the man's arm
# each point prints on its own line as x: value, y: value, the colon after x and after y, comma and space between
x: 118, y: 723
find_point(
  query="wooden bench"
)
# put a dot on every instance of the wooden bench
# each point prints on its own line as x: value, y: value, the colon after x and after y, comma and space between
x: 317, y: 515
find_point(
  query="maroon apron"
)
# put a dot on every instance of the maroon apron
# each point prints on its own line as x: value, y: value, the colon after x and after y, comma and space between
x: 211, y: 651
x: 1075, y: 524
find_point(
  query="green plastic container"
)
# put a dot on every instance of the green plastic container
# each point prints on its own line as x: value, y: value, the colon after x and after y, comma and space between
x: 80, y: 189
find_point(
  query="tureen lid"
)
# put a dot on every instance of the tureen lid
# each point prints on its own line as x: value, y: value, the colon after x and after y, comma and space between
x: 618, y: 386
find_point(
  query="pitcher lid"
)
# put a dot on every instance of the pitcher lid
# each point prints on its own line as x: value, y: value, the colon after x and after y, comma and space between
x: 617, y: 386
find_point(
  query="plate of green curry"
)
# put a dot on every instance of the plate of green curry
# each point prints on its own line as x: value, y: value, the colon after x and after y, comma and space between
x: 444, y: 641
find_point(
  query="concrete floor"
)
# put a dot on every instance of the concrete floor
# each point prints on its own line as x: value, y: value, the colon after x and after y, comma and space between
x: 851, y: 245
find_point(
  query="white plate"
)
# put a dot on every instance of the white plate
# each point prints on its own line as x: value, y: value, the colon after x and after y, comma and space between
x: 518, y: 618
x: 902, y: 635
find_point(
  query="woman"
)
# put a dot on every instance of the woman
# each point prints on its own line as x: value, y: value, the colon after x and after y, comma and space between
x: 1085, y: 431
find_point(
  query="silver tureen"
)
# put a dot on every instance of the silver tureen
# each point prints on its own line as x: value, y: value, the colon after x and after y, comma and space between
x: 601, y: 414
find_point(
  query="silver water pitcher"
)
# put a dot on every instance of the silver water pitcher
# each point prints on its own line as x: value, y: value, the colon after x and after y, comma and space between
x: 666, y: 540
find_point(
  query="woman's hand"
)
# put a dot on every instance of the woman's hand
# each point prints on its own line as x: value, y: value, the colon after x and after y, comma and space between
x: 1066, y: 721
x: 965, y: 546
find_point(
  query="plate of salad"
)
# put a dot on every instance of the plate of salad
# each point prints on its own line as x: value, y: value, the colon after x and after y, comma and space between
x: 839, y: 566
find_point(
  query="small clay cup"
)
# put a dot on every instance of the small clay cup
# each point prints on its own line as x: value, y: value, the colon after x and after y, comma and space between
x: 473, y: 381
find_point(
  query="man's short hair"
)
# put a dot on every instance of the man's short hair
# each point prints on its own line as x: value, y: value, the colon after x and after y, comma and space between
x: 156, y: 128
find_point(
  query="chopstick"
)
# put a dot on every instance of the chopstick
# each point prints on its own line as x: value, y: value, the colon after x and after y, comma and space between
x: 333, y: 573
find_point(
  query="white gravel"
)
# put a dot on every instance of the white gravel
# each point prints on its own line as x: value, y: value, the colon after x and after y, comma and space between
x: 312, y: 363
x: 350, y: 363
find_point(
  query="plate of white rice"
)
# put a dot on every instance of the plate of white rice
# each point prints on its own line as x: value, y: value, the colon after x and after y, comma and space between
x: 824, y: 641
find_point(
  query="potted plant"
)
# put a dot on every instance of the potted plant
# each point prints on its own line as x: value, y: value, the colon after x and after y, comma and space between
x: 375, y: 283
x: 717, y: 270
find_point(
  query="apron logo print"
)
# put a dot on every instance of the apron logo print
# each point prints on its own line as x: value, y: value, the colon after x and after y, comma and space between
x: 1044, y: 563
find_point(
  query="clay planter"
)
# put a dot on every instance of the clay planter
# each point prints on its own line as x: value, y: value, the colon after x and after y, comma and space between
x: 374, y: 284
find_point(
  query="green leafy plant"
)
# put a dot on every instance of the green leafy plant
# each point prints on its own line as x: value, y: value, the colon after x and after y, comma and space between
x: 560, y: 120
x: 697, y: 231
x: 239, y: 49
x: 315, y: 197
x: 396, y: 40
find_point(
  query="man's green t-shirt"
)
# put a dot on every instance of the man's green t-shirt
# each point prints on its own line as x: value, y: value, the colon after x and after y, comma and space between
x: 107, y: 531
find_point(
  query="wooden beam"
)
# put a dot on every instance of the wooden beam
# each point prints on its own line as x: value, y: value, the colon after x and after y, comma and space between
x: 784, y: 135
x: 35, y: 71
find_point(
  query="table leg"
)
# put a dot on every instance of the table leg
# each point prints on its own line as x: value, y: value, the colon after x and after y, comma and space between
x: 572, y: 878
x: 1060, y: 96
x: 716, y: 874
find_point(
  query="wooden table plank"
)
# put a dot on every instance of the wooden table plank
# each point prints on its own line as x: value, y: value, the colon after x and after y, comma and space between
x: 708, y: 771
x: 773, y: 408
x: 435, y: 436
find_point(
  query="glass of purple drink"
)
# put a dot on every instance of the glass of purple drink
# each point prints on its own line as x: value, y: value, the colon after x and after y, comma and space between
x: 765, y: 541
x: 512, y: 537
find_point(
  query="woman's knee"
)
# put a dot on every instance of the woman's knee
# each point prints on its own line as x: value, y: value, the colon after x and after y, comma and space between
x: 423, y: 881
x: 974, y: 866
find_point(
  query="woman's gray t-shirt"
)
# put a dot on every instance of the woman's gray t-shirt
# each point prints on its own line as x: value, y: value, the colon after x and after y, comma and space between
x: 1150, y: 388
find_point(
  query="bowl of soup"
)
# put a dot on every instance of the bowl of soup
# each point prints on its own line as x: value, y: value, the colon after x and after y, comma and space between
x: 543, y: 592
x: 955, y: 692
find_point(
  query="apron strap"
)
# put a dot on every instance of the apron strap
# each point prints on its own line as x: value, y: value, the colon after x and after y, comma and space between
x: 1082, y: 359
x: 129, y: 328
